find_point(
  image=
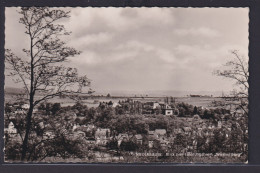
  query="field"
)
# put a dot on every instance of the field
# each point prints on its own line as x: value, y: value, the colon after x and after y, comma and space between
x: 11, y: 93
x: 94, y: 102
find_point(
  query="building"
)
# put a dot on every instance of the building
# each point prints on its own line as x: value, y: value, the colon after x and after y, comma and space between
x: 122, y: 137
x: 187, y: 130
x: 167, y: 110
x: 11, y: 129
x: 90, y: 140
x: 75, y: 126
x: 80, y: 134
x: 90, y: 127
x: 139, y: 139
x: 49, y: 134
x: 25, y: 106
x: 116, y: 104
x: 150, y: 107
x: 151, y: 140
x: 102, y: 136
x: 160, y: 132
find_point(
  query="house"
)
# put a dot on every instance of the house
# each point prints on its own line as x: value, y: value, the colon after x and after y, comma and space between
x: 122, y: 137
x: 90, y: 127
x: 80, y: 134
x: 177, y: 131
x: 20, y: 111
x: 102, y: 136
x: 25, y: 106
x: 160, y: 132
x: 150, y: 143
x: 116, y: 104
x: 150, y: 107
x: 164, y: 142
x: 151, y: 140
x: 75, y: 127
x: 11, y: 129
x: 199, y: 131
x: 48, y: 135
x: 187, y: 130
x: 196, y: 117
x: 155, y: 105
x: 139, y: 139
x: 219, y: 124
x: 151, y: 133
x: 157, y: 134
x: 167, y: 110
x: 210, y: 127
x: 90, y: 140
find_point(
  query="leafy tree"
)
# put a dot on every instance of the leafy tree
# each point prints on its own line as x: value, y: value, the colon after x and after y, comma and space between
x: 12, y: 151
x: 119, y: 110
x: 110, y: 103
x: 157, y: 145
x: 55, y: 108
x: 41, y: 107
x: 112, y: 144
x: 195, y: 110
x: 8, y: 108
x: 217, y: 144
x: 48, y: 108
x: 128, y: 146
x: 201, y: 143
x: 180, y: 142
x: 41, y: 71
x: 91, y: 113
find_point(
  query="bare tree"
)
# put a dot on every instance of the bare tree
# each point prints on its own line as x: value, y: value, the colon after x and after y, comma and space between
x: 237, y: 69
x: 41, y: 71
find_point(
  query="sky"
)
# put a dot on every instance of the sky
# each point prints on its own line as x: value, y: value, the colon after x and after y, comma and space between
x: 148, y: 49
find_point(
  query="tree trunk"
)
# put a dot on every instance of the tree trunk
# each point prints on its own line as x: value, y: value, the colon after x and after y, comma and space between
x: 27, y: 132
x: 32, y: 92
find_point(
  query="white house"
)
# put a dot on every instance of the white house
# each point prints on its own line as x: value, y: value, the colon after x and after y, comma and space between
x: 102, y: 136
x: 11, y: 129
x: 121, y: 137
x: 160, y: 132
x: 25, y: 106
x: 167, y: 110
x: 155, y: 105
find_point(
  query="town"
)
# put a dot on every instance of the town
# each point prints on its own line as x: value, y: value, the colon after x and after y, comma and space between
x: 113, y: 130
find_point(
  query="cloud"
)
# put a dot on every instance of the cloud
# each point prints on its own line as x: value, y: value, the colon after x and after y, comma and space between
x: 91, y: 39
x: 141, y: 47
x: 148, y: 48
x: 206, y: 57
x: 201, y: 31
x: 94, y: 20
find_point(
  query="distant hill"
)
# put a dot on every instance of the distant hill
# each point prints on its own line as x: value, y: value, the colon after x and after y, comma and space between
x: 12, y: 90
x: 157, y: 93
x: 154, y: 93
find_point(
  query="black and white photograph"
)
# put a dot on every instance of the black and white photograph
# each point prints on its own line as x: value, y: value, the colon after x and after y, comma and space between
x: 126, y: 85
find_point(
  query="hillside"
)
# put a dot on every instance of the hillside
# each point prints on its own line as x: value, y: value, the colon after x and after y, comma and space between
x: 13, y: 90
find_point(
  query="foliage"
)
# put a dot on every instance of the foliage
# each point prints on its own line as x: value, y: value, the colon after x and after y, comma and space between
x: 128, y: 146
x: 112, y: 144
